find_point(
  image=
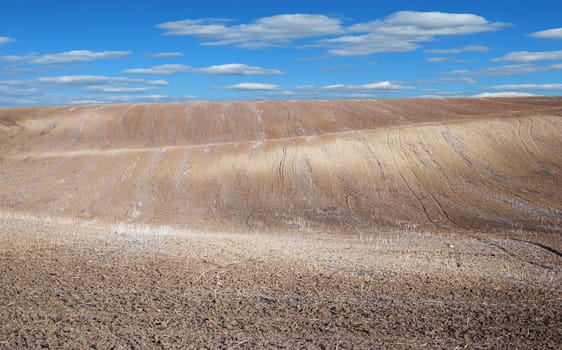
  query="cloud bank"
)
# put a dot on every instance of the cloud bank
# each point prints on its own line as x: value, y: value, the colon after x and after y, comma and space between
x: 399, y: 32
x: 222, y: 69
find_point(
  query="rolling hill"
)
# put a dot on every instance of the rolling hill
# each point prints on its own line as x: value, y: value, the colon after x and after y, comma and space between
x: 344, y: 166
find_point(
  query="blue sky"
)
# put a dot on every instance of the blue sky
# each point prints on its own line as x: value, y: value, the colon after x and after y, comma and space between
x: 73, y: 52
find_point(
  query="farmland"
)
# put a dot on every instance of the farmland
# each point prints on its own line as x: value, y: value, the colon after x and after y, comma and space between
x: 373, y: 223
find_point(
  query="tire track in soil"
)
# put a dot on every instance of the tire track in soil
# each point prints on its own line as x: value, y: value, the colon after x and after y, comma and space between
x: 363, y: 140
x: 27, y: 187
x: 514, y: 255
x: 143, y: 196
x: 249, y: 209
x: 410, y: 161
x: 494, y: 186
x: 67, y: 180
x: 410, y: 190
x: 532, y: 139
x: 261, y: 133
x: 540, y: 245
x: 179, y: 183
x: 523, y: 143
x: 524, y: 203
x: 52, y: 142
x: 281, y: 168
x: 77, y: 135
x: 287, y: 122
x: 187, y: 121
x: 121, y: 123
x: 111, y: 186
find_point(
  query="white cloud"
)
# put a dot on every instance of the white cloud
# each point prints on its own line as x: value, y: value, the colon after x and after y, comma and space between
x: 252, y: 87
x: 403, y: 31
x: 399, y: 32
x: 161, y: 69
x: 86, y: 101
x: 78, y: 56
x: 223, y: 69
x: 134, y: 97
x: 116, y: 99
x: 448, y: 80
x: 18, y: 58
x: 469, y: 48
x: 117, y: 89
x: 444, y: 94
x: 96, y: 80
x: 74, y: 56
x: 15, y: 101
x: 16, y: 91
x: 526, y: 56
x: 266, y: 31
x: 349, y: 90
x: 237, y: 69
x: 554, y: 33
x: 49, y: 90
x: 444, y: 59
x: 528, y: 87
x: 511, y: 69
x: 378, y: 86
x: 166, y: 54
x: 5, y: 39
x: 504, y: 94
x: 361, y: 45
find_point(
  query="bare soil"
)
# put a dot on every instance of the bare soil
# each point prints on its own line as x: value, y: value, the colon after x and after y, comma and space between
x: 393, y: 224
x: 72, y: 285
x: 459, y: 164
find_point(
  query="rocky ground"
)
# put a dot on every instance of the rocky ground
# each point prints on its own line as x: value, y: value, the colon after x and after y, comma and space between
x: 70, y: 284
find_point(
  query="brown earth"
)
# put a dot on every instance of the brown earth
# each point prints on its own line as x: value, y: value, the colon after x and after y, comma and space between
x: 77, y: 286
x: 343, y: 165
x: 328, y: 224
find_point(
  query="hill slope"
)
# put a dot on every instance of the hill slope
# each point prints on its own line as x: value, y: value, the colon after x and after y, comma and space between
x: 291, y: 165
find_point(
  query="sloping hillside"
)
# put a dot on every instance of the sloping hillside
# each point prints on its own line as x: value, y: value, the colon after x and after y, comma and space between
x: 475, y: 164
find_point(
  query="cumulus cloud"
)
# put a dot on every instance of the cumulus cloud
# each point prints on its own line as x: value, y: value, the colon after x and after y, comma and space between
x: 18, y: 58
x: 96, y: 80
x: 504, y: 94
x: 252, y: 87
x: 16, y: 91
x: 5, y: 39
x: 554, y: 33
x: 361, y: 45
x: 79, y: 56
x: 528, y: 87
x: 511, y: 69
x: 401, y: 31
x: 116, y: 99
x: 161, y: 69
x: 73, y: 56
x: 405, y: 30
x: 223, y: 69
x: 526, y: 56
x: 237, y: 69
x: 350, y: 90
x: 469, y: 48
x: 266, y: 31
x: 378, y: 86
x: 448, y: 80
x: 117, y: 89
x: 166, y: 54
x: 15, y: 101
x: 49, y: 90
x: 444, y: 59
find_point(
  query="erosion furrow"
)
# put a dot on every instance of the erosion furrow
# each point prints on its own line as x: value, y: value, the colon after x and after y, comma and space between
x: 329, y: 165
